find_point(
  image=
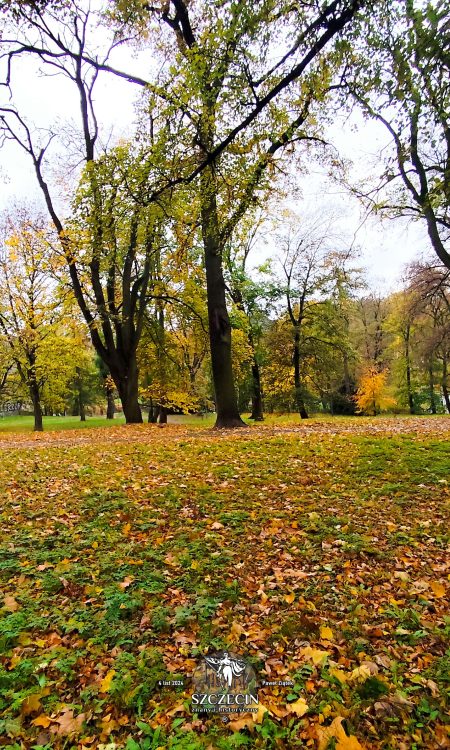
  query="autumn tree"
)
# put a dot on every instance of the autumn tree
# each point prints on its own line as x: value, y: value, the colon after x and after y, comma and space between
x: 372, y: 395
x: 30, y: 307
x: 309, y: 260
x: 215, y: 74
x: 430, y: 285
x: 250, y: 297
x: 108, y: 243
x: 398, y: 73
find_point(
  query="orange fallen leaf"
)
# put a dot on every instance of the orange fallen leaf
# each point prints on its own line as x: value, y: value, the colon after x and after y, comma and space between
x: 289, y: 598
x: 438, y: 589
x: 336, y: 731
x: 127, y: 581
x: 31, y: 704
x: 10, y: 603
x: 42, y: 721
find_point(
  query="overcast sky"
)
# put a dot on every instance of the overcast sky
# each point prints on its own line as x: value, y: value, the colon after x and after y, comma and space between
x: 385, y: 246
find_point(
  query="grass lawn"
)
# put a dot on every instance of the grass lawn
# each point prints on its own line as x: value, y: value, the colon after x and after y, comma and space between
x: 317, y: 552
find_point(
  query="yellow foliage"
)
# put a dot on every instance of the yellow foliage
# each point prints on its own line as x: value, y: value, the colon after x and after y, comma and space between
x: 372, y: 395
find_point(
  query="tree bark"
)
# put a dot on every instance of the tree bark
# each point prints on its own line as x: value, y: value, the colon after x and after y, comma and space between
x: 162, y: 417
x: 297, y: 379
x: 110, y: 405
x: 445, y: 391
x: 37, y: 408
x: 257, y: 403
x: 408, y: 370
x: 219, y: 322
x: 431, y: 383
x: 126, y: 381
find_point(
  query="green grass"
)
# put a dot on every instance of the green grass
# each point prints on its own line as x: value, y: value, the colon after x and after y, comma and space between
x: 132, y: 557
x: 52, y: 424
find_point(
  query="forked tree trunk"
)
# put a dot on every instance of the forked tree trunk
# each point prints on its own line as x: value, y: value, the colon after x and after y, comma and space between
x: 219, y: 322
x: 297, y: 379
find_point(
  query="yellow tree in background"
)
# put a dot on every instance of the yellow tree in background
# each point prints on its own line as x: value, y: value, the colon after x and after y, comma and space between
x: 372, y: 395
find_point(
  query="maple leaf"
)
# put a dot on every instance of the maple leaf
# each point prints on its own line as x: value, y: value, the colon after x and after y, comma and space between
x: 68, y: 724
x: 299, y: 707
x: 314, y: 654
x: 438, y: 589
x: 326, y: 633
x: 42, y: 721
x: 337, y: 732
x: 31, y: 704
x: 105, y: 684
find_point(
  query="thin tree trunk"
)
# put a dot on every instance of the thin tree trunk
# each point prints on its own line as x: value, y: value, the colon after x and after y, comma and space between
x: 82, y: 409
x: 110, y: 405
x: 445, y: 391
x: 257, y: 403
x: 347, y: 385
x: 431, y: 384
x: 408, y: 371
x: 162, y: 417
x: 37, y: 408
x: 219, y: 323
x: 297, y: 380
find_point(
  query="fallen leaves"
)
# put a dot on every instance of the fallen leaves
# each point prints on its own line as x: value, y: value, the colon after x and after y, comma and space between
x: 335, y: 731
x: 128, y: 574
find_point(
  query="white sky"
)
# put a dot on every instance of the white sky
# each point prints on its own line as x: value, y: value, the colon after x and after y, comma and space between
x: 385, y: 246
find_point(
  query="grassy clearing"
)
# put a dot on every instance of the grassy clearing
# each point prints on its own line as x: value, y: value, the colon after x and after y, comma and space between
x: 320, y: 556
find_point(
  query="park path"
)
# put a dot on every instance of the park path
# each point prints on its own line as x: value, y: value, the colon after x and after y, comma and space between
x: 147, y: 433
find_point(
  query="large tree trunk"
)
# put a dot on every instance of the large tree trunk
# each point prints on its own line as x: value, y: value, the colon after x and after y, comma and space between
x: 37, y: 408
x: 126, y: 381
x: 219, y: 323
x: 297, y: 379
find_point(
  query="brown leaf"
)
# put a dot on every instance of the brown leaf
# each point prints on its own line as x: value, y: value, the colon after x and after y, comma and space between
x: 68, y: 724
x: 10, y: 603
